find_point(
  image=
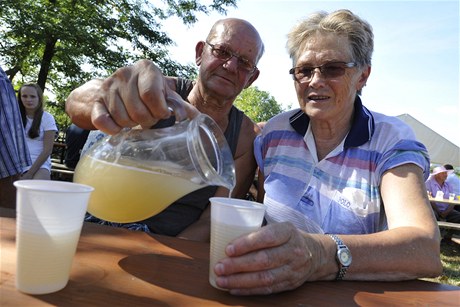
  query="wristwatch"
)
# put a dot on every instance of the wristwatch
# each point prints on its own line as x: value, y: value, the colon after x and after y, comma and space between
x: 343, y: 257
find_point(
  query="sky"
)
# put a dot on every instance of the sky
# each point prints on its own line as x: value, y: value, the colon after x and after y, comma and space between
x: 415, y: 65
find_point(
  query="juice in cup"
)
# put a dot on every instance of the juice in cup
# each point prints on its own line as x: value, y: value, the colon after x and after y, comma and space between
x: 221, y: 235
x: 230, y: 218
x: 40, y: 272
x: 124, y: 193
x: 48, y: 224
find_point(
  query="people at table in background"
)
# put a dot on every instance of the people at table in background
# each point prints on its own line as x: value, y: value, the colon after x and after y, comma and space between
x: 40, y: 129
x: 136, y: 95
x: 14, y: 154
x: 452, y: 179
x: 438, y: 183
x: 75, y: 139
x: 335, y: 174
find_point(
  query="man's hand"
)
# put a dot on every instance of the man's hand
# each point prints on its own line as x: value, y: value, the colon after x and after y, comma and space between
x: 132, y: 96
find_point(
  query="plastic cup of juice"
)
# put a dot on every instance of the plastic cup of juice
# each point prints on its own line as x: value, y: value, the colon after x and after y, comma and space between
x: 49, y: 220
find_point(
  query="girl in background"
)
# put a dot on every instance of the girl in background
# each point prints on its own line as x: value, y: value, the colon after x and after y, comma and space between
x: 40, y: 128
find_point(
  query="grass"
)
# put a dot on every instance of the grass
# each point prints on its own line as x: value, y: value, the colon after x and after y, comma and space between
x: 450, y: 258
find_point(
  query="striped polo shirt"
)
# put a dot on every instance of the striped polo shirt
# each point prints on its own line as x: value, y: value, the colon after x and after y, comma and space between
x: 339, y: 194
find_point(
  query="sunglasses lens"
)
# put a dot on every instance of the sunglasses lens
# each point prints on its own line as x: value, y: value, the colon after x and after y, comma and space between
x: 332, y: 70
x: 225, y: 55
x: 221, y: 54
x: 245, y: 65
x: 303, y: 73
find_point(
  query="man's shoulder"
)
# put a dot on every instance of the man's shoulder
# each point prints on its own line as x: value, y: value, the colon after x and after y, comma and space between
x: 249, y: 129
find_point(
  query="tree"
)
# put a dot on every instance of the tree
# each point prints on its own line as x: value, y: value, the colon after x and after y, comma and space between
x: 61, y: 44
x: 257, y: 104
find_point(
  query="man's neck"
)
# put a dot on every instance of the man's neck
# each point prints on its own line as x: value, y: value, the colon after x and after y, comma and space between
x: 214, y: 107
x: 439, y: 181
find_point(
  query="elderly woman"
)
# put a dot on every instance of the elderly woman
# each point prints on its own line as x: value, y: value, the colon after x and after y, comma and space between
x: 344, y: 186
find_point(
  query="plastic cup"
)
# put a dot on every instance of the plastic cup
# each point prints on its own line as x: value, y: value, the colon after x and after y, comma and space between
x: 451, y: 196
x: 230, y: 218
x: 49, y: 220
x: 439, y: 195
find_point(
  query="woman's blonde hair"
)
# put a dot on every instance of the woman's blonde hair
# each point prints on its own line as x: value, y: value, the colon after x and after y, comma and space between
x: 342, y: 23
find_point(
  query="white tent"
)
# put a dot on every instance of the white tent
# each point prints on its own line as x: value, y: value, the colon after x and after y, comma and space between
x: 441, y: 150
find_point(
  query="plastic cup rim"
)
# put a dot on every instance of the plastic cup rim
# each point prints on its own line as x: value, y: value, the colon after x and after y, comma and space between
x: 44, y: 186
x: 240, y: 203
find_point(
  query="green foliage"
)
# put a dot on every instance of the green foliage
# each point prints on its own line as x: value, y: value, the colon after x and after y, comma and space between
x: 258, y: 105
x: 62, y: 44
x: 61, y: 118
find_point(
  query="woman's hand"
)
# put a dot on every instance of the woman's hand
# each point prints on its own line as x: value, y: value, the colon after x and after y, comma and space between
x: 276, y: 258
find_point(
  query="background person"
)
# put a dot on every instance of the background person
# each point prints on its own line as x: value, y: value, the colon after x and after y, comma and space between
x: 338, y: 179
x: 136, y: 95
x: 452, y: 179
x: 14, y: 154
x: 40, y: 128
x: 437, y: 182
x: 443, y: 212
x: 75, y: 139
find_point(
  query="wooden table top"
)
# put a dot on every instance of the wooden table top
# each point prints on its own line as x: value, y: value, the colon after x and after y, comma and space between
x: 444, y: 200
x: 117, y: 267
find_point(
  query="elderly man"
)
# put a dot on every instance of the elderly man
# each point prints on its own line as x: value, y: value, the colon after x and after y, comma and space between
x: 437, y: 182
x: 137, y: 95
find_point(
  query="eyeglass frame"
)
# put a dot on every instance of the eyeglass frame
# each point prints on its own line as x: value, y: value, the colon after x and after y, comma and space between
x: 321, y: 67
x: 231, y: 55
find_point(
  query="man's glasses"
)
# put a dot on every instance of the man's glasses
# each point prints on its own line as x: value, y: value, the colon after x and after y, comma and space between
x: 222, y: 53
x: 329, y: 70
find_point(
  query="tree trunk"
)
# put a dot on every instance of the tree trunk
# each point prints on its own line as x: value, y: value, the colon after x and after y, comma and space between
x: 11, y: 73
x: 46, y: 61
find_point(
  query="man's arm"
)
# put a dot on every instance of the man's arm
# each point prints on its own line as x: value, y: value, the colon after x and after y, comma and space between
x: 133, y: 95
x: 80, y: 103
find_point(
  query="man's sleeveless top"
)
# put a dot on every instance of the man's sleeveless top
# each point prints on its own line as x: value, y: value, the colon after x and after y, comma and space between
x: 188, y: 209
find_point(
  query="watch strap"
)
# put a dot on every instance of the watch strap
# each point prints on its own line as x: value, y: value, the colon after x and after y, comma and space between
x: 340, y: 246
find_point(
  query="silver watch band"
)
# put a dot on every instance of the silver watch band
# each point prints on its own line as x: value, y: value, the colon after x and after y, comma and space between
x: 343, y: 256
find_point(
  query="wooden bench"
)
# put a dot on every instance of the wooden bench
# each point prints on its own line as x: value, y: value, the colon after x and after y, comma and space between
x: 448, y: 225
x: 61, y: 172
x: 59, y: 149
x: 445, y: 227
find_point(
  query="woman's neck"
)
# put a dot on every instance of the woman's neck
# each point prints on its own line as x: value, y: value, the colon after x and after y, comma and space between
x: 30, y: 114
x: 329, y: 134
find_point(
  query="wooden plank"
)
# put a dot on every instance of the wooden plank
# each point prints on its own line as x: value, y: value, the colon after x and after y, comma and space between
x: 449, y: 225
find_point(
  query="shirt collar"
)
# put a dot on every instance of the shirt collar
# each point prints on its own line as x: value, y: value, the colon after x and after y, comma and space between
x: 362, y: 127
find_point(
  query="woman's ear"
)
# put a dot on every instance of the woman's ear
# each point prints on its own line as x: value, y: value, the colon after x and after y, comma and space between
x: 366, y: 71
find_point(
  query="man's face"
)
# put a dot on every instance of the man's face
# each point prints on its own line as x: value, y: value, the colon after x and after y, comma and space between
x: 227, y: 78
x: 441, y: 177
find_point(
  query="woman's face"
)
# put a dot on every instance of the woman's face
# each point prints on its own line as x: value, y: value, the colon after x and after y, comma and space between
x: 29, y: 98
x: 329, y: 98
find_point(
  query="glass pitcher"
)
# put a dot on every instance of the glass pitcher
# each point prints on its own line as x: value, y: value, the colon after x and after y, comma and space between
x: 138, y: 173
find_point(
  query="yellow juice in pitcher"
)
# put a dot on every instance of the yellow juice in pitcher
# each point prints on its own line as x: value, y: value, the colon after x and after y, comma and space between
x: 129, y: 194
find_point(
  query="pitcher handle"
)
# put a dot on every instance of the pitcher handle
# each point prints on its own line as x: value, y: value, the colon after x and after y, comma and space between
x: 178, y: 113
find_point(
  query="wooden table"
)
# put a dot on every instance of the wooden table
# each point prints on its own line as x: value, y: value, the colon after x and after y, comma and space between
x: 118, y: 267
x: 444, y: 200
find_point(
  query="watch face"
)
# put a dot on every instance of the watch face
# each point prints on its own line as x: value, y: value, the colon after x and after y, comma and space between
x: 344, y: 257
